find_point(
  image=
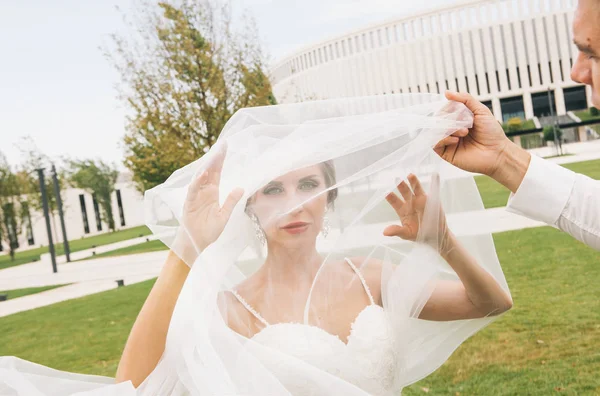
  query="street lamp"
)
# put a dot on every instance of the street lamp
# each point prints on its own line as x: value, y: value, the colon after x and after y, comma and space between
x: 60, y: 213
x: 555, y: 127
x: 40, y: 172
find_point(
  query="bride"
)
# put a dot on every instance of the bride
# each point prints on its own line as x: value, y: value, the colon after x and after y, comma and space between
x: 311, y: 255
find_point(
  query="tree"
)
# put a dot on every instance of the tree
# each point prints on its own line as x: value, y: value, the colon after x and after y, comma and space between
x: 99, y: 178
x: 184, y: 72
x: 11, y: 218
x: 549, y: 136
x: 549, y: 133
x: 33, y: 159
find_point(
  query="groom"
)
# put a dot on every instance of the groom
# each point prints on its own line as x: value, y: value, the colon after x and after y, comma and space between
x: 541, y: 190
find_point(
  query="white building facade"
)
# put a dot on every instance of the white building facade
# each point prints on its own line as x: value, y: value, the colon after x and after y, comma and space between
x: 82, y: 215
x: 513, y: 55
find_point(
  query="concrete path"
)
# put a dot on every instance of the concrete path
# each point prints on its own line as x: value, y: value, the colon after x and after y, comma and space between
x: 94, y: 276
x: 89, y: 253
x: 583, y: 151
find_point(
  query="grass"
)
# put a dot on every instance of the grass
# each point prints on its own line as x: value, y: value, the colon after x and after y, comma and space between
x: 106, y: 239
x: 585, y: 115
x: 553, y: 281
x: 151, y: 246
x: 12, y: 294
x: 86, y: 335
x: 495, y: 195
x: 27, y: 256
x: 75, y: 245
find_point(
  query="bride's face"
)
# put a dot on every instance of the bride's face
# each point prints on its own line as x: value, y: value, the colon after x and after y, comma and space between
x: 283, y: 211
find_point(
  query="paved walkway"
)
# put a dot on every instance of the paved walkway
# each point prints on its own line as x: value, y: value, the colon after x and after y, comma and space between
x: 97, y: 275
x: 84, y: 278
x: 583, y: 151
x: 89, y: 253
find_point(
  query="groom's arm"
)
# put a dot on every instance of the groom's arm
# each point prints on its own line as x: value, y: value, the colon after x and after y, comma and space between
x: 561, y: 198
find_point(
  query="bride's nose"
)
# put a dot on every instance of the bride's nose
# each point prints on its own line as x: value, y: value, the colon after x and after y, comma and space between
x: 295, y: 203
x: 297, y: 210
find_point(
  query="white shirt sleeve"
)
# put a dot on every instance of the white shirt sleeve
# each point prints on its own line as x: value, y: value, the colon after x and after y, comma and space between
x: 561, y: 198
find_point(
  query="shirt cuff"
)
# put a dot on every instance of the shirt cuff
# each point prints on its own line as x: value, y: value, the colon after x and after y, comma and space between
x: 544, y: 192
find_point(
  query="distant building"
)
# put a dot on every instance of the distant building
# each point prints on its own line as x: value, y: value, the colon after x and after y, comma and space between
x: 513, y: 55
x: 82, y: 215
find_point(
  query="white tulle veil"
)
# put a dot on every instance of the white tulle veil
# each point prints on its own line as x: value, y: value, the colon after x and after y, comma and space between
x: 272, y: 306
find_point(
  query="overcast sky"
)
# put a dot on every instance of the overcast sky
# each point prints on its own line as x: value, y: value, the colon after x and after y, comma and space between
x: 57, y: 87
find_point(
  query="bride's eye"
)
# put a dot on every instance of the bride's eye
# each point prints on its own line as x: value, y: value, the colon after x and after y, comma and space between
x: 308, y: 185
x: 272, y: 190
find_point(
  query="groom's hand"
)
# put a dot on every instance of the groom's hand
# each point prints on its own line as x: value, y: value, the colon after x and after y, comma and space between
x: 484, y: 148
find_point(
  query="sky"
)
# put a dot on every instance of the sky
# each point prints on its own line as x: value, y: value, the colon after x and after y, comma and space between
x: 58, y: 89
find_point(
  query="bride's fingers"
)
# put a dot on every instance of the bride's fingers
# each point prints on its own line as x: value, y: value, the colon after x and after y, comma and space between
x: 394, y: 201
x: 198, y: 184
x: 405, y: 191
x: 435, y: 183
x: 396, y: 230
x: 232, y: 199
x: 415, y: 184
x: 216, y: 165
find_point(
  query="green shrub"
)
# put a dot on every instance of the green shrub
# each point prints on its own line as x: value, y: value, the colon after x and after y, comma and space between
x: 549, y: 133
x: 514, y: 124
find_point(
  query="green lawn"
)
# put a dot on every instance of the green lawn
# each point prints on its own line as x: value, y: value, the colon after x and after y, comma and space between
x: 29, y: 256
x: 495, y: 195
x: 553, y: 281
x: 85, y: 335
x: 151, y: 246
x: 105, y: 239
x: 11, y: 294
x: 586, y: 116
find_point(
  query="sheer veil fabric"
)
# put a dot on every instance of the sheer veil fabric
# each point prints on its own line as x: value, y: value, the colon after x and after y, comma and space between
x: 301, y: 293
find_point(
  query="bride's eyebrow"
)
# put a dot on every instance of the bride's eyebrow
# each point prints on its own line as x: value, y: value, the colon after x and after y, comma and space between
x: 274, y: 183
x: 311, y: 177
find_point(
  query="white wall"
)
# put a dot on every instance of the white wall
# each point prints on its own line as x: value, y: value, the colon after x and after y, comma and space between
x: 132, y: 201
x: 463, y: 46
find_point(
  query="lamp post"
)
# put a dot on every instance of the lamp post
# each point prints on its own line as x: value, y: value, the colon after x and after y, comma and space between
x: 40, y: 172
x: 555, y: 127
x: 60, y: 213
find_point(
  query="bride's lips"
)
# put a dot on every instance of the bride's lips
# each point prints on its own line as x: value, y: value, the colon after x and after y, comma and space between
x: 296, y: 227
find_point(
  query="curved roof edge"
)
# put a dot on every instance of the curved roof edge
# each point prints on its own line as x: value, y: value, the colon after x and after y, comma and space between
x: 457, y: 5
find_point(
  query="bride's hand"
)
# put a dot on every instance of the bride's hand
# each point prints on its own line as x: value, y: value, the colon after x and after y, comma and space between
x: 203, y: 218
x: 411, y: 209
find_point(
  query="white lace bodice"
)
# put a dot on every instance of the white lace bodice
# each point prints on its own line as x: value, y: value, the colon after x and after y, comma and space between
x: 368, y: 360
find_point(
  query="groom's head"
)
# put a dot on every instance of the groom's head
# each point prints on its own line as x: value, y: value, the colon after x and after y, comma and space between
x: 586, y: 34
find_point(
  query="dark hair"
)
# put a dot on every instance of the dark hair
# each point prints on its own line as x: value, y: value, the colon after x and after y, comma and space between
x: 330, y: 180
